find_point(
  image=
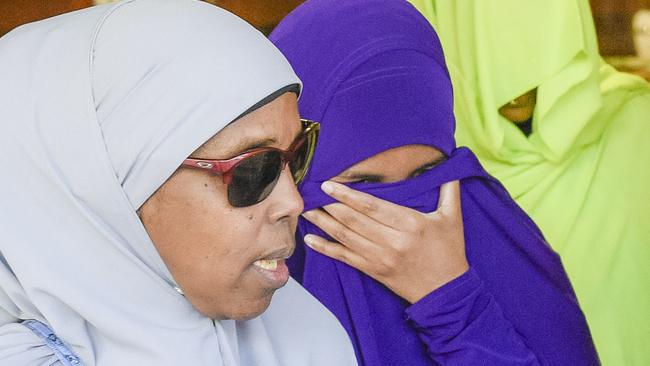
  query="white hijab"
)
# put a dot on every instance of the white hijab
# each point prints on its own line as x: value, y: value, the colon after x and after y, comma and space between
x: 97, y: 109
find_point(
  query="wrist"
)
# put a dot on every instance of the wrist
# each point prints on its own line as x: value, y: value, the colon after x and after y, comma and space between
x: 426, y: 285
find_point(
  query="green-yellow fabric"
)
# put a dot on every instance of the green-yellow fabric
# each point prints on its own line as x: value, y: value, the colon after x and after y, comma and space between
x: 584, y: 172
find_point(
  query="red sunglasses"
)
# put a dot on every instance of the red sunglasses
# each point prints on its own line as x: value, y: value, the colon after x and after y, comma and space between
x: 252, y: 175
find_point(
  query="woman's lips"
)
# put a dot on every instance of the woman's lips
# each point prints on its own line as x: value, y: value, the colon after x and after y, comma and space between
x: 274, y: 271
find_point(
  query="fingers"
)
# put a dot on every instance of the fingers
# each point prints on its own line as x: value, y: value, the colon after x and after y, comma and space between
x: 384, y: 212
x: 335, y: 251
x: 339, y: 232
x: 449, y: 201
x: 358, y: 222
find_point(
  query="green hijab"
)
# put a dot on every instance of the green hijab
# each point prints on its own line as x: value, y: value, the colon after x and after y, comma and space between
x: 584, y: 172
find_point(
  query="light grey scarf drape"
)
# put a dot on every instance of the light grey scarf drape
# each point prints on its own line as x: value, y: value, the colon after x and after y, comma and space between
x: 97, y: 109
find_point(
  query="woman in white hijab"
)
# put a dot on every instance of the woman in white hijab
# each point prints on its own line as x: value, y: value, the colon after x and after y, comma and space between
x: 114, y: 248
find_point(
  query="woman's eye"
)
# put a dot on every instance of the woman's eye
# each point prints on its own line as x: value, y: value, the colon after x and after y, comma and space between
x: 419, y: 172
x: 423, y: 170
x: 368, y: 180
x: 358, y: 179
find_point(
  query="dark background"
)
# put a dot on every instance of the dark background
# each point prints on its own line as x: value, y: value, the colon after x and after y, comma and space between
x: 612, y: 17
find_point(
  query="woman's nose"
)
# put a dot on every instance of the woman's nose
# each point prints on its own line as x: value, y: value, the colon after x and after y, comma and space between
x: 286, y: 201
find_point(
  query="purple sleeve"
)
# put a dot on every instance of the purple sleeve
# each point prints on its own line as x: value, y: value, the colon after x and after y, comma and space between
x: 461, y: 324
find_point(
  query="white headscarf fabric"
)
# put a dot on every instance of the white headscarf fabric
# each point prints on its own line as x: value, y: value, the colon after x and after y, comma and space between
x: 97, y: 109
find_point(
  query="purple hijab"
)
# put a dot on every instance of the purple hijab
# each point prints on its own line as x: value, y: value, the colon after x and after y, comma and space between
x: 374, y: 75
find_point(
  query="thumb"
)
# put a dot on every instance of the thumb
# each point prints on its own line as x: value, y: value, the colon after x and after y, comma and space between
x: 449, y: 201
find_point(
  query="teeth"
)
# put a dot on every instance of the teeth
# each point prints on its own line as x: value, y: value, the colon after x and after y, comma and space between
x: 267, y: 264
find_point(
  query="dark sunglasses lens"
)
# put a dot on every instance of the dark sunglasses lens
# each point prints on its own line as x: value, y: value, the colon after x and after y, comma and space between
x: 254, y: 179
x: 298, y: 164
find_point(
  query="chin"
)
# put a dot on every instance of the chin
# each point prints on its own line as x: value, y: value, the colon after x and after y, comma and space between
x: 246, y: 309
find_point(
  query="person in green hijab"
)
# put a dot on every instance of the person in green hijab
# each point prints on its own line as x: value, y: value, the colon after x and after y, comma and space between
x: 569, y: 137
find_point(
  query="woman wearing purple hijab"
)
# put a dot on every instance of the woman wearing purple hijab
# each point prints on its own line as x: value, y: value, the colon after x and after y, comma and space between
x: 413, y: 281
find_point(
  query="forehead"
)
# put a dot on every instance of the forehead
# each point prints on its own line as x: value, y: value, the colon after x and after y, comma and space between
x: 275, y: 124
x: 399, y: 160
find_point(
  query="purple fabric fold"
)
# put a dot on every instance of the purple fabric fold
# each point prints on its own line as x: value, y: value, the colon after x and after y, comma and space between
x: 462, y: 340
x: 374, y: 76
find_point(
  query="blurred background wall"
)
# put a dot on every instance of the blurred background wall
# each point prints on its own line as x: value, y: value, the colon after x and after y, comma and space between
x: 16, y: 12
x: 613, y: 20
x: 263, y: 14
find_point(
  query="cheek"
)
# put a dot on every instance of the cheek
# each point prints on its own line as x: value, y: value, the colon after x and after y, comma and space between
x: 199, y: 232
x: 208, y: 246
x: 216, y: 272
x: 224, y: 243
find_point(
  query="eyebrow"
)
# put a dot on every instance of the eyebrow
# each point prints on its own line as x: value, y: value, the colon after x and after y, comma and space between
x: 253, y: 143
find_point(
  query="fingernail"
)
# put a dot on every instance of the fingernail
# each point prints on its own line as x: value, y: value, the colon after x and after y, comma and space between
x: 310, y: 240
x: 327, y: 187
x: 308, y: 214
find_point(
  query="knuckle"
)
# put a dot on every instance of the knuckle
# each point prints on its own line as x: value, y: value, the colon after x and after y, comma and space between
x: 412, y: 223
x: 343, y: 257
x: 313, y: 217
x: 341, y: 235
x: 395, y: 221
x: 348, y: 220
x: 420, y: 231
x: 370, y: 206
x: 386, y: 267
x: 380, y: 269
x: 399, y: 250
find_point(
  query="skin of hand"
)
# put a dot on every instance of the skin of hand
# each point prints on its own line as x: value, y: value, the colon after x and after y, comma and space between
x: 410, y: 252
